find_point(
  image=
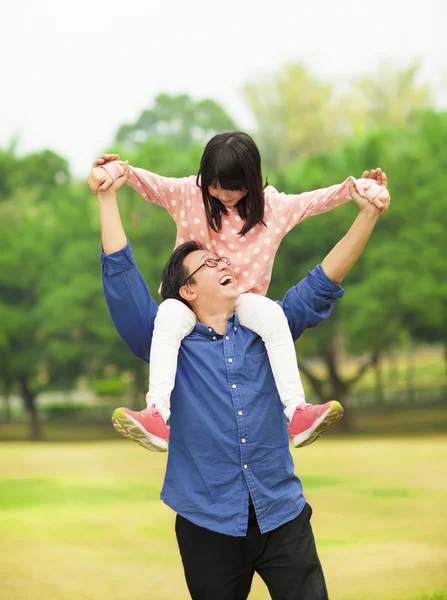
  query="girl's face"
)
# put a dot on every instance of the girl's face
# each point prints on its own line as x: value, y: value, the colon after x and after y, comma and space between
x: 229, y: 198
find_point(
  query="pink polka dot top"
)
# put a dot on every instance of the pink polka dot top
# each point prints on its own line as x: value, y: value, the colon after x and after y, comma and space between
x: 252, y: 255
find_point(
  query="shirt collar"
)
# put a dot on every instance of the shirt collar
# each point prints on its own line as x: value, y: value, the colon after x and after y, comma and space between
x: 205, y: 330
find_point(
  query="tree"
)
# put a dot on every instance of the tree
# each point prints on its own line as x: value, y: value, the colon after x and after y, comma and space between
x: 295, y: 114
x: 391, y: 96
x: 400, y: 272
x: 178, y: 119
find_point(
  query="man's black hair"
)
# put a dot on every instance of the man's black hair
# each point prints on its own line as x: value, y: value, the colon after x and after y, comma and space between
x: 175, y: 272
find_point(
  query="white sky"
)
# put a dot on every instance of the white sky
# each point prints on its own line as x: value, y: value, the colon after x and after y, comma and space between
x: 72, y: 72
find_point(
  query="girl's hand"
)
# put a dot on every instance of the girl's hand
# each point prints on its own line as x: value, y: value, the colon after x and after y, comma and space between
x: 118, y: 184
x: 380, y: 204
x: 378, y: 175
x: 105, y: 158
x: 99, y: 180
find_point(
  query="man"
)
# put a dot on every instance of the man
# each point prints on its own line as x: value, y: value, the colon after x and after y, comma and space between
x: 240, y: 508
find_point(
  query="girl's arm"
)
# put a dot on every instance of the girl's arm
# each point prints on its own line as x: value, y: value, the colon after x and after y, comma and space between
x: 290, y: 209
x: 177, y: 196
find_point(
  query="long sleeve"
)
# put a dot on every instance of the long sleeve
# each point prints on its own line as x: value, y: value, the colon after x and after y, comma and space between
x: 130, y: 303
x: 177, y: 196
x: 310, y: 301
x: 290, y: 209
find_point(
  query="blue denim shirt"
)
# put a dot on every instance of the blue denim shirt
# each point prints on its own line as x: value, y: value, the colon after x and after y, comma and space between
x: 228, y: 430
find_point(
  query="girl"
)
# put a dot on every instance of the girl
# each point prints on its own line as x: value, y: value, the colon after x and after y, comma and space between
x: 227, y: 208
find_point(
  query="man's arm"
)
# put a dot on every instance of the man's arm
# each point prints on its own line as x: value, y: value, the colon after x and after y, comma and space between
x: 343, y: 256
x: 130, y: 304
x: 310, y: 301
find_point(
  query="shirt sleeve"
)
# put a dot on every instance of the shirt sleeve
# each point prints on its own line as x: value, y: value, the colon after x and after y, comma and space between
x: 310, y: 301
x: 130, y: 303
x: 290, y: 209
x: 177, y: 196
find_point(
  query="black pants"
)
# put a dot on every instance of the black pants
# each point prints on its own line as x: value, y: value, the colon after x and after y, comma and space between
x: 221, y: 567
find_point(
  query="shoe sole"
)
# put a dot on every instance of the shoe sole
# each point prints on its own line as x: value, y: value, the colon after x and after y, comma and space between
x: 330, y: 417
x: 132, y: 429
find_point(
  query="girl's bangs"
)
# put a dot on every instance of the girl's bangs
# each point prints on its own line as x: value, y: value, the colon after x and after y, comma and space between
x: 227, y: 171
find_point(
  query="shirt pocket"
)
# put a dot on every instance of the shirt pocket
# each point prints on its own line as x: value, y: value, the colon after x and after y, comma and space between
x: 261, y: 376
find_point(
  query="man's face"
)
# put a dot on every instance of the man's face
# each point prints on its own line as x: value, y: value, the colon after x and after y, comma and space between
x: 213, y: 285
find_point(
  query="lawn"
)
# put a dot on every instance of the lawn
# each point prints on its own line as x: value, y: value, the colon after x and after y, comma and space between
x: 84, y: 520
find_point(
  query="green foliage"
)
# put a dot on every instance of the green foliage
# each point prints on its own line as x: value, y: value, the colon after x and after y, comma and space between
x: 109, y: 387
x: 178, y: 119
x: 398, y: 287
x: 54, y: 326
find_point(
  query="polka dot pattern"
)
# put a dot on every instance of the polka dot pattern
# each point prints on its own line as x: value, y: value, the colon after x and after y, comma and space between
x: 183, y: 199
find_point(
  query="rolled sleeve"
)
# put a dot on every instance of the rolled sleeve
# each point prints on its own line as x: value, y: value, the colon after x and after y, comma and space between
x: 119, y: 261
x: 130, y: 304
x: 310, y: 301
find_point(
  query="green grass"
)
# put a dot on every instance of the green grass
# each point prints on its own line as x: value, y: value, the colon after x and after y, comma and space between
x: 84, y: 520
x: 387, y: 420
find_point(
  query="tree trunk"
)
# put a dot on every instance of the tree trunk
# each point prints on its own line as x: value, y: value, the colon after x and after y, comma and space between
x: 379, y: 382
x: 393, y: 373
x: 141, y: 385
x: 445, y: 366
x: 340, y: 393
x: 7, y: 402
x: 337, y: 388
x: 29, y: 399
x: 410, y: 376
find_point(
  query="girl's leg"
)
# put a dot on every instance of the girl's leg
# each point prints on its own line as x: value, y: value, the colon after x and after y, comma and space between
x: 173, y: 322
x: 148, y: 427
x: 267, y: 319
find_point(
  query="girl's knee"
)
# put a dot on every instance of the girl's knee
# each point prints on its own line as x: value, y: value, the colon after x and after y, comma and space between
x: 172, y: 313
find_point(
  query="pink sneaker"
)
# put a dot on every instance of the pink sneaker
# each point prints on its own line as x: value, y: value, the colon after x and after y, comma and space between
x: 309, y: 421
x: 146, y: 427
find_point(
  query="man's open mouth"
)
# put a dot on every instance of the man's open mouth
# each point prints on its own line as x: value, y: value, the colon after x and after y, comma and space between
x: 226, y: 280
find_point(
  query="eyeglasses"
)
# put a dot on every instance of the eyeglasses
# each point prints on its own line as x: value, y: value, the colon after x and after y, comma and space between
x: 211, y: 263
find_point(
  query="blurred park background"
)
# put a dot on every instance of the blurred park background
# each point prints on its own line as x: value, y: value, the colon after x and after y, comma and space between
x: 80, y: 509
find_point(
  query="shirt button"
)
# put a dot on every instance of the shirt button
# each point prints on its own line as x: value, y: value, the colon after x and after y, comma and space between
x: 227, y: 338
x: 245, y: 466
x: 230, y: 360
x: 234, y: 386
x: 235, y: 329
x: 243, y: 440
x: 214, y: 337
x: 240, y: 413
x: 210, y: 329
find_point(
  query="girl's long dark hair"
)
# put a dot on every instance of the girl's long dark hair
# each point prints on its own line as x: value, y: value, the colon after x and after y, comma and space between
x: 232, y: 160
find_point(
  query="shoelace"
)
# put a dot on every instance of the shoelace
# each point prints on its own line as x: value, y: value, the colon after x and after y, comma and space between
x: 151, y: 410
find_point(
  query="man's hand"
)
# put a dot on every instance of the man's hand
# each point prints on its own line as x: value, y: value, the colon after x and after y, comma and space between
x: 377, y: 174
x: 343, y: 256
x: 379, y: 205
x: 99, y: 180
x: 379, y: 177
